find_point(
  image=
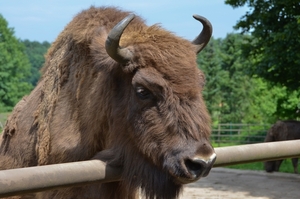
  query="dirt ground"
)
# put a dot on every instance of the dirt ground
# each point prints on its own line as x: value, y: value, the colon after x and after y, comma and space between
x: 224, y: 183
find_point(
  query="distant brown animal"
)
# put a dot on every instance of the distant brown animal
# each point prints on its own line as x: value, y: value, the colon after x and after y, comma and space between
x: 280, y: 131
x: 124, y: 93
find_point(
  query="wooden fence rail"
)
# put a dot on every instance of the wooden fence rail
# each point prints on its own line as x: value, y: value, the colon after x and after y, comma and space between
x: 33, y: 179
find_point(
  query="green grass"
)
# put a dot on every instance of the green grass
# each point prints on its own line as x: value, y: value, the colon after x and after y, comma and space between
x: 286, y: 166
x: 3, y: 118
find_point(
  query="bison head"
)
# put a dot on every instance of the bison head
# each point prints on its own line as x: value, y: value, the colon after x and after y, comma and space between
x: 167, y: 125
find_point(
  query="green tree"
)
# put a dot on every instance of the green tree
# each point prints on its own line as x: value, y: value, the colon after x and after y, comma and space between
x: 227, y: 81
x: 263, y: 99
x: 14, y: 68
x: 35, y: 51
x: 236, y: 90
x: 233, y: 95
x: 275, y: 45
x: 288, y: 104
x: 209, y: 62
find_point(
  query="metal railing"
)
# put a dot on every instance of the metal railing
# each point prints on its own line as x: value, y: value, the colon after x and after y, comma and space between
x: 236, y: 134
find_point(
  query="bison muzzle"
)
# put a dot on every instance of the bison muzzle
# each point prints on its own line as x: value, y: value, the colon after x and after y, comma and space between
x: 117, y: 90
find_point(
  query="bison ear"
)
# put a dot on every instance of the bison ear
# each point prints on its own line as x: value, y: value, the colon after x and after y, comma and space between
x: 202, y: 78
x: 205, y: 35
x: 119, y: 54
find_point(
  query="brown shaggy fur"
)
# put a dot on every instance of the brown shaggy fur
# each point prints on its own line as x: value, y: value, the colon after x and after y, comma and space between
x: 280, y: 131
x: 85, y: 106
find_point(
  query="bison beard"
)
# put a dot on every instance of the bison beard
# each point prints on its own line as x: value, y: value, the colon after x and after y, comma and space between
x: 130, y: 96
x: 137, y: 174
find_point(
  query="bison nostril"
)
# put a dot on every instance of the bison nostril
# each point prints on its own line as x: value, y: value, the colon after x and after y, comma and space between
x: 198, y: 167
x: 195, y: 167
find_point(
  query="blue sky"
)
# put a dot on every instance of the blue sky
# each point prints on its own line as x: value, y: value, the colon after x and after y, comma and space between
x: 43, y: 20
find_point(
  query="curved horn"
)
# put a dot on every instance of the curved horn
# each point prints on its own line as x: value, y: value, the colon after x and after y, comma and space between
x: 203, y: 38
x: 121, y: 55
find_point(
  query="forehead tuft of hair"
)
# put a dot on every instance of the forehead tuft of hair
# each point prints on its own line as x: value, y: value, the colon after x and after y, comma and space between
x: 172, y: 56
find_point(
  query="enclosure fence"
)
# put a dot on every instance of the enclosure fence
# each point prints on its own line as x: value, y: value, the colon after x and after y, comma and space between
x: 41, y: 178
x: 236, y: 134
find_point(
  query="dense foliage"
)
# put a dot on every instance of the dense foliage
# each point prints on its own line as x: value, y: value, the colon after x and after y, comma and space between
x: 14, y: 68
x: 35, y: 52
x: 275, y: 45
x: 233, y: 95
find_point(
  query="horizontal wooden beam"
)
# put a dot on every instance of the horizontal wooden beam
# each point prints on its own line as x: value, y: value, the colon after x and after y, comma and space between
x: 241, y: 154
x: 41, y: 178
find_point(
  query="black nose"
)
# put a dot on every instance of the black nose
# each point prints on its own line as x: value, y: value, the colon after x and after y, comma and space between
x: 200, y: 167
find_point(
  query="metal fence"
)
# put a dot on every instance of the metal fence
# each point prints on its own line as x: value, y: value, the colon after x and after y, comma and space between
x: 236, y: 134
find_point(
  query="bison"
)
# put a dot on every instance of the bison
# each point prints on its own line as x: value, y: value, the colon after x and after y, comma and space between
x: 123, y: 92
x: 282, y: 130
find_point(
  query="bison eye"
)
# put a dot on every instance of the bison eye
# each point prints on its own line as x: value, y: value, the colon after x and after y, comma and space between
x: 143, y: 93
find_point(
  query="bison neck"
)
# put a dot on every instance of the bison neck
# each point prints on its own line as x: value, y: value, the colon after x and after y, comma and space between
x: 83, y: 114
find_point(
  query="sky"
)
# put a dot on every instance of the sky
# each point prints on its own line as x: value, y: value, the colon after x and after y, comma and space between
x: 43, y: 20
